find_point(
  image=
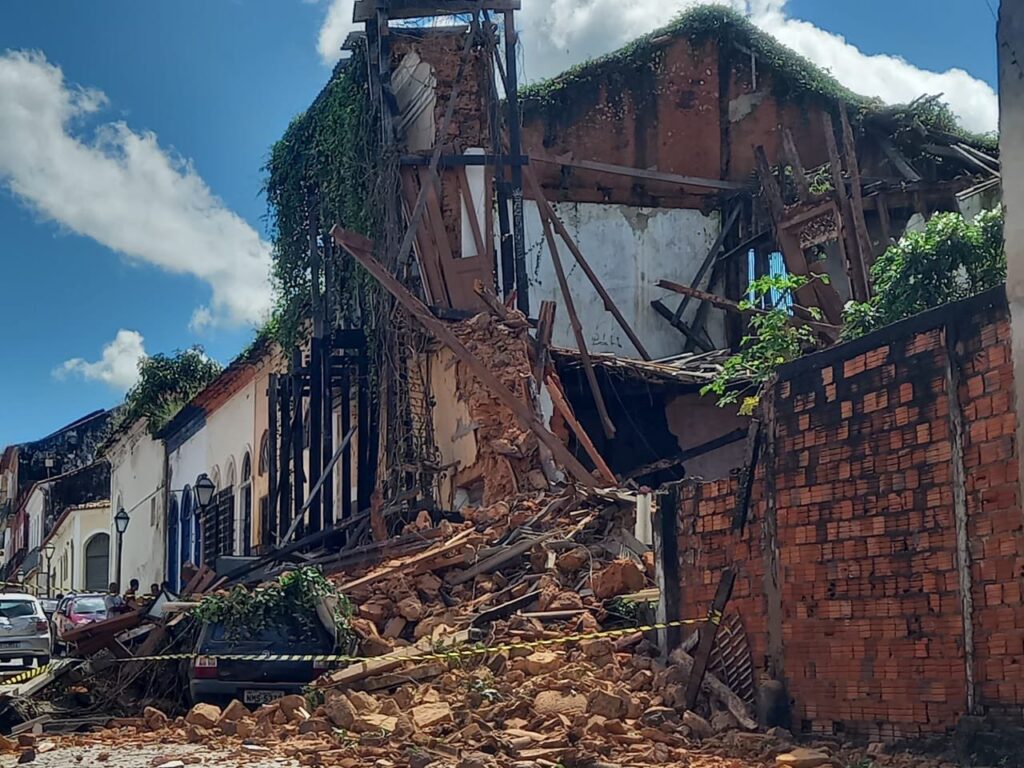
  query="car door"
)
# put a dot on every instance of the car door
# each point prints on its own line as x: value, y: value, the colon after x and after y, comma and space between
x: 18, y: 619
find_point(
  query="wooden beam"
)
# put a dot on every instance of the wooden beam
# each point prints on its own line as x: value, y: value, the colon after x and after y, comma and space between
x: 858, y: 270
x: 707, y: 638
x: 710, y: 258
x: 792, y: 156
x: 640, y: 173
x: 899, y: 162
x: 474, y: 222
x: 747, y: 471
x: 732, y: 306
x: 361, y: 250
x: 692, y: 336
x: 562, y: 405
x: 548, y: 213
x: 690, y: 453
x: 856, y: 197
x: 577, y: 328
x: 365, y: 10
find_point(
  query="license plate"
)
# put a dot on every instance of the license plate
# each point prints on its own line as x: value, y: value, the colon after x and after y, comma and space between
x: 10, y: 644
x: 261, y: 697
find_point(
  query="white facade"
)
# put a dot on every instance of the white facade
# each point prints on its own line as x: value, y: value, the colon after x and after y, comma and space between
x: 221, y: 446
x: 81, y: 529
x: 137, y: 486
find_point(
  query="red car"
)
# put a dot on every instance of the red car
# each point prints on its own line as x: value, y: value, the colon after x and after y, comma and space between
x: 76, y: 610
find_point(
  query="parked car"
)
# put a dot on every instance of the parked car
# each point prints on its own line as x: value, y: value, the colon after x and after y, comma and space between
x: 255, y: 682
x: 24, y: 630
x: 76, y: 610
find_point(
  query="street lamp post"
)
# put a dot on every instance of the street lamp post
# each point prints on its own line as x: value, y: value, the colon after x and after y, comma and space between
x: 48, y: 550
x: 121, y: 525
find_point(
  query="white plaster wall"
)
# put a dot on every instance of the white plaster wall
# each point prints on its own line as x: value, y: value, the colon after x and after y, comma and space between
x: 69, y: 539
x: 629, y: 249
x: 137, y: 484
x: 229, y: 432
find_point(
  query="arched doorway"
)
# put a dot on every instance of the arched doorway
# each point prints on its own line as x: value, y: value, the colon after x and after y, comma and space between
x: 186, y: 526
x: 245, y: 527
x: 97, y: 563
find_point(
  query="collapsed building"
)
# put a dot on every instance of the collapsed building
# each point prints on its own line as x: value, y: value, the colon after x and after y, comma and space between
x: 499, y: 309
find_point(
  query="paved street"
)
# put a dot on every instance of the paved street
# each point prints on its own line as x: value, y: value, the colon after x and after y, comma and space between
x: 148, y: 757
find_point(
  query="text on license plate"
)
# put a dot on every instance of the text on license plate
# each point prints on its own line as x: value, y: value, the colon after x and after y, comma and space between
x: 10, y: 644
x: 261, y: 697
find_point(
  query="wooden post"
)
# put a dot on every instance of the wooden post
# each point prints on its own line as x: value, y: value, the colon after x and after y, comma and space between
x: 792, y: 155
x: 858, y: 270
x: 298, y: 440
x: 707, y: 637
x: 577, y: 330
x: 346, y: 459
x: 327, y: 390
x: 515, y: 151
x: 666, y: 560
x: 366, y: 462
x: 561, y: 404
x: 856, y: 197
x: 268, y: 526
x: 284, y: 479
x: 547, y: 213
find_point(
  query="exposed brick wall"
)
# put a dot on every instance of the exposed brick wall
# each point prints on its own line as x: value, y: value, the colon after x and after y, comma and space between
x: 872, y: 620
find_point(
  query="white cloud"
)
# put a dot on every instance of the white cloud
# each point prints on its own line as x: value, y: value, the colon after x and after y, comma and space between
x: 559, y: 33
x: 120, y: 188
x: 118, y: 365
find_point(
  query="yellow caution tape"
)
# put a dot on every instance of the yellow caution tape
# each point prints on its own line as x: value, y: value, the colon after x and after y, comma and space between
x: 444, y: 654
x: 24, y: 676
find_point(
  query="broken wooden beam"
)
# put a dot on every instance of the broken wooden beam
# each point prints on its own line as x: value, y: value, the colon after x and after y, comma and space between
x: 361, y: 250
x: 856, y: 260
x: 690, y: 453
x: 709, y: 259
x: 707, y: 637
x: 561, y: 403
x: 547, y: 212
x: 792, y: 156
x: 692, y: 336
x: 856, y: 196
x: 640, y: 173
x: 508, y: 553
x: 732, y: 306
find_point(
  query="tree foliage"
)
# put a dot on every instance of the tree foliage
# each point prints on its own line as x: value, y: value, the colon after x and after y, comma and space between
x: 950, y: 260
x: 166, y: 383
x: 288, y: 604
x: 772, y: 340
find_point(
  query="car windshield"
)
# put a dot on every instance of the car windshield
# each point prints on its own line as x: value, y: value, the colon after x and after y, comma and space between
x: 13, y: 609
x: 275, y: 637
x: 89, y: 605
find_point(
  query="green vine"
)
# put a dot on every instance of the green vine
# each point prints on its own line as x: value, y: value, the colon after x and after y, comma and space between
x: 288, y: 603
x: 950, y: 260
x: 330, y: 153
x: 166, y: 383
x: 772, y: 340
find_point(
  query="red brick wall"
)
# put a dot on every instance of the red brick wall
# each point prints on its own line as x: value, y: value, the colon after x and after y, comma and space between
x: 872, y: 629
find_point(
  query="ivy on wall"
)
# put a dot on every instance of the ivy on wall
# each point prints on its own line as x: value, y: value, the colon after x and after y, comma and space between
x: 330, y: 154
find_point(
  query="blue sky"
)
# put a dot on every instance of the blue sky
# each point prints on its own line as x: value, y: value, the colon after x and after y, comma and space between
x: 216, y: 82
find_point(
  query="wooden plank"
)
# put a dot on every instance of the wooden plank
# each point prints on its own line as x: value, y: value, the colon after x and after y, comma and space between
x: 385, y: 663
x: 474, y: 222
x: 407, y: 564
x: 427, y: 255
x: 814, y: 293
x: 858, y: 276
x: 732, y: 306
x: 710, y: 258
x: 506, y: 609
x: 640, y: 173
x: 884, y: 221
x: 899, y: 162
x: 690, y: 453
x: 574, y: 323
x: 508, y: 554
x: 680, y: 325
x: 361, y: 250
x: 548, y: 213
x: 747, y: 471
x: 561, y: 404
x: 856, y: 198
x: 792, y: 156
x: 395, y: 679
x: 707, y: 638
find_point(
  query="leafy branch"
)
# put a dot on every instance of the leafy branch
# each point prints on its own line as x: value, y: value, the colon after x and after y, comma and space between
x: 773, y: 339
x: 950, y: 260
x: 166, y: 383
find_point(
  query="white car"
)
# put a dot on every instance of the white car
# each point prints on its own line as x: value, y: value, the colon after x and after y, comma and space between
x: 24, y: 629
